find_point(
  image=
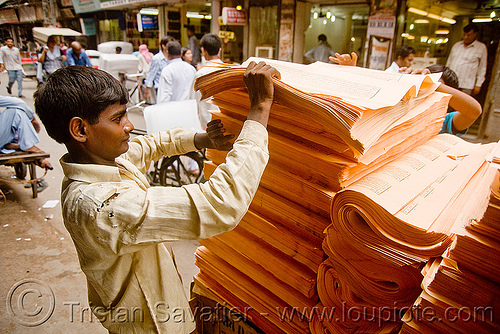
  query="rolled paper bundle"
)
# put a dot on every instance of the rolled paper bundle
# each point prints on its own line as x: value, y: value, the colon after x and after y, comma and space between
x: 378, y: 276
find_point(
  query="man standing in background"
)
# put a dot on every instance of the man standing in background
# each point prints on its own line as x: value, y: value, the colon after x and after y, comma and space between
x: 10, y: 60
x: 404, y: 58
x: 193, y: 45
x: 176, y: 79
x: 468, y: 58
x: 211, y: 48
x: 320, y: 52
x: 159, y: 61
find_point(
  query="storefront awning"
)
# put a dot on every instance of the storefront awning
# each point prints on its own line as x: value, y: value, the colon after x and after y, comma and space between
x: 42, y: 34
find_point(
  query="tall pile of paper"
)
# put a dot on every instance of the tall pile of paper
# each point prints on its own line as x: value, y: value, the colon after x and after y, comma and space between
x: 321, y: 138
x: 390, y: 223
x: 462, y: 289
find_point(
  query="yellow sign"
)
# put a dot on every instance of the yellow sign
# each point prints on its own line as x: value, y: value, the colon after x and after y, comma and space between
x: 227, y: 35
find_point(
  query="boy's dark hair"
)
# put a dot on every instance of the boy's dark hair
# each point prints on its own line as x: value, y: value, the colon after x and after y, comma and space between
x: 211, y: 43
x: 404, y: 51
x: 449, y: 76
x: 8, y: 37
x: 76, y: 91
x: 174, y: 48
x: 471, y: 26
x: 118, y: 48
x: 322, y: 38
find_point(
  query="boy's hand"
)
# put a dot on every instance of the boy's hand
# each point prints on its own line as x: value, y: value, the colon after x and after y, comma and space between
x: 214, y: 138
x: 215, y: 132
x: 258, y: 79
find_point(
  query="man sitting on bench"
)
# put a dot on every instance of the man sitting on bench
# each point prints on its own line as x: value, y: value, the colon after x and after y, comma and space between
x: 19, y: 128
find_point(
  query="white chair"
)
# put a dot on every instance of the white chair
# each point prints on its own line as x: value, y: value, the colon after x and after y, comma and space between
x: 169, y: 115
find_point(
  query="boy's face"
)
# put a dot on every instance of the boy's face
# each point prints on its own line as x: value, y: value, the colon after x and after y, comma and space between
x: 108, y: 138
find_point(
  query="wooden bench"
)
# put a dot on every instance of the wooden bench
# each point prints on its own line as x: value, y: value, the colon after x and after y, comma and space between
x: 18, y: 158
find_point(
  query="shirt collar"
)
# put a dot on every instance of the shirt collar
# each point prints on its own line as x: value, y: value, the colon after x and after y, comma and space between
x: 89, y: 172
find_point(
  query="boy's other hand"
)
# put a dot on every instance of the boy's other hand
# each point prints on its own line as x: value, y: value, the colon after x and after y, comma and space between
x: 214, y: 137
x: 215, y: 132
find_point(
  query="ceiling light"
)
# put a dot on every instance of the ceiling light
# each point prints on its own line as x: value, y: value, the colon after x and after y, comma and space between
x: 442, y: 32
x: 421, y: 21
x: 493, y: 14
x: 417, y: 11
x: 412, y: 26
x: 149, y: 11
x: 195, y: 15
x: 328, y: 14
x: 324, y: 21
x: 482, y: 19
x: 332, y: 18
x: 434, y: 16
x: 238, y: 7
x: 448, y: 20
x: 315, y: 15
x: 410, y: 37
x: 353, y: 39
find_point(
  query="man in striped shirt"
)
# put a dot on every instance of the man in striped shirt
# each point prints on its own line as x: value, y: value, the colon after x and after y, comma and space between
x: 468, y: 59
x: 10, y: 60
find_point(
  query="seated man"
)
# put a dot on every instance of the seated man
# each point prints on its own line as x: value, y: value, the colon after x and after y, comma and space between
x: 18, y: 128
x: 122, y: 227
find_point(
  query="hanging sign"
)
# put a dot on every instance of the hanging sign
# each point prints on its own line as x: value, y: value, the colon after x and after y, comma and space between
x: 232, y: 16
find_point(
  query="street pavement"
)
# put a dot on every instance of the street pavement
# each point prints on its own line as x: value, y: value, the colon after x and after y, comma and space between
x: 42, y: 286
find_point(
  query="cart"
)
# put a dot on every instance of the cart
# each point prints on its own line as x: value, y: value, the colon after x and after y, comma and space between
x: 21, y: 161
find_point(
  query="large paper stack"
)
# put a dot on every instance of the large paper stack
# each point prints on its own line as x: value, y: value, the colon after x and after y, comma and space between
x: 389, y: 224
x: 318, y: 144
x: 462, y: 289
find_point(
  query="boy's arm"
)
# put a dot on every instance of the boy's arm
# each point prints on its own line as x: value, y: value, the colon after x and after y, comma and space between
x: 468, y: 109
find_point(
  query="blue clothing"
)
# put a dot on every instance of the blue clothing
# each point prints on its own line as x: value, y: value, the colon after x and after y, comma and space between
x: 157, y: 64
x: 448, y: 125
x: 83, y: 60
x: 15, y: 121
x: 13, y: 76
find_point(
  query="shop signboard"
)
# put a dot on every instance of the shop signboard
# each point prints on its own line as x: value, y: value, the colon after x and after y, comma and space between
x: 107, y: 4
x: 8, y: 16
x: 89, y: 25
x: 229, y: 35
x: 85, y: 6
x: 383, y: 26
x: 233, y: 16
x: 378, y: 52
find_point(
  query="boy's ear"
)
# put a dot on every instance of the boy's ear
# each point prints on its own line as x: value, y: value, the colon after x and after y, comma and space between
x: 77, y: 129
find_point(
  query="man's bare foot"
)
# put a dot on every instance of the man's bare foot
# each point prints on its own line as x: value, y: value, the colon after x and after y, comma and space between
x: 33, y: 149
x: 45, y: 164
x: 12, y: 146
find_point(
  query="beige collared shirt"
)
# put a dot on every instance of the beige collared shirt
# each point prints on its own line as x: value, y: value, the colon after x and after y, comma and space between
x: 121, y: 227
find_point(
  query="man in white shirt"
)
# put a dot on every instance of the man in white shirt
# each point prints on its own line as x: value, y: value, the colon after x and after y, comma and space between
x: 468, y: 59
x: 177, y: 78
x: 404, y: 58
x: 322, y: 52
x: 210, y: 48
